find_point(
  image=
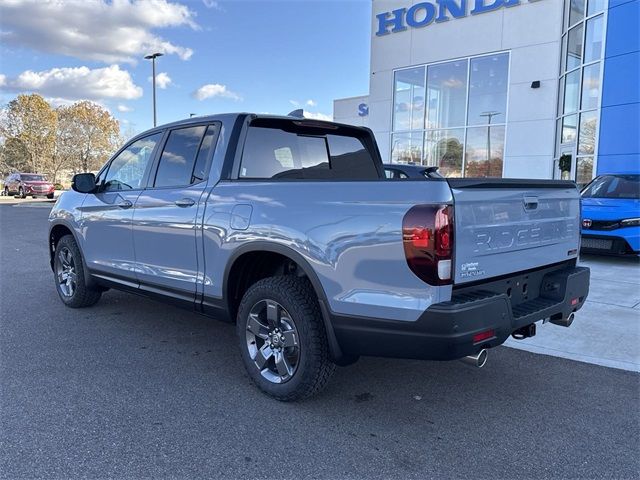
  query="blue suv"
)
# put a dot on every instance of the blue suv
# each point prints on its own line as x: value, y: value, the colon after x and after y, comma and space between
x: 611, y: 215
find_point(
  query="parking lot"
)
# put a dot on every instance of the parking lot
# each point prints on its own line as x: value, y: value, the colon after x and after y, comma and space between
x: 134, y: 389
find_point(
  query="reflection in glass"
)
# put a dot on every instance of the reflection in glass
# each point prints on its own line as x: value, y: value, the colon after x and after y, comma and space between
x: 446, y: 94
x: 488, y: 88
x: 574, y: 50
x: 443, y: 148
x: 408, y: 104
x: 595, y: 6
x: 590, y: 87
x: 406, y: 148
x: 576, y: 11
x: 569, y: 129
x: 593, y: 42
x: 484, y: 152
x: 571, y: 91
x: 584, y: 170
x: 587, y: 137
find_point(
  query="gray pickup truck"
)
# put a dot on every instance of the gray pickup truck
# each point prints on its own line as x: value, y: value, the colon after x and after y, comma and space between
x: 289, y: 228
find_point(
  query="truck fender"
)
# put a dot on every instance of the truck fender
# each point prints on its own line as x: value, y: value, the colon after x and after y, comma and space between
x: 262, y: 246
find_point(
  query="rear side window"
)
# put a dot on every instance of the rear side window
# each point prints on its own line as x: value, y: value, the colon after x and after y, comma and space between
x: 273, y: 153
x: 186, y: 156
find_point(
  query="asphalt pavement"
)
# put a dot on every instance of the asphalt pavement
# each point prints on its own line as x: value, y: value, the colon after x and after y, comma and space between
x: 132, y: 388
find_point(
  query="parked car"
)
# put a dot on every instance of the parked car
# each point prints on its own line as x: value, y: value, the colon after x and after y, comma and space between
x: 28, y: 184
x: 409, y: 170
x: 611, y: 215
x: 289, y: 228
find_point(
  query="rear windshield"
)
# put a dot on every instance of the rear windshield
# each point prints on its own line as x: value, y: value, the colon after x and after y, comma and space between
x: 32, y: 178
x: 286, y: 151
x: 614, y: 186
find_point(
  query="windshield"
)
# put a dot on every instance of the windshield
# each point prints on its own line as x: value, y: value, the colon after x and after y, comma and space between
x: 614, y: 186
x: 32, y: 178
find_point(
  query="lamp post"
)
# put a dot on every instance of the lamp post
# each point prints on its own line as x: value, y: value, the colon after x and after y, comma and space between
x: 489, y: 116
x: 153, y: 57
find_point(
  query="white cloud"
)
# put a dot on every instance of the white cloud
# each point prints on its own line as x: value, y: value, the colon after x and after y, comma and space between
x: 318, y: 116
x: 124, y: 108
x: 3, y: 80
x: 211, y: 4
x: 215, y: 90
x: 115, y: 31
x: 308, y: 103
x: 76, y: 83
x: 163, y: 80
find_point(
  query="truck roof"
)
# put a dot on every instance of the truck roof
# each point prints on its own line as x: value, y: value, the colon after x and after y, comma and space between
x: 231, y: 117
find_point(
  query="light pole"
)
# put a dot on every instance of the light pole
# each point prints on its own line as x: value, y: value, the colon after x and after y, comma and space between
x: 489, y: 116
x: 153, y: 57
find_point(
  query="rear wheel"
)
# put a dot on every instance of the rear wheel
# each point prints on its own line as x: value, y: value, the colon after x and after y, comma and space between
x: 50, y: 196
x: 282, y: 338
x: 70, y: 276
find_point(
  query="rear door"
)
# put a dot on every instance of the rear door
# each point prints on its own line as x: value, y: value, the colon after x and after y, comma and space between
x: 167, y: 240
x: 506, y: 226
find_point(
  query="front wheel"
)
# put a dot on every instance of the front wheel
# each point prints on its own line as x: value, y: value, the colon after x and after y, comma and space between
x: 50, y: 196
x: 21, y: 193
x: 282, y: 338
x: 71, y: 278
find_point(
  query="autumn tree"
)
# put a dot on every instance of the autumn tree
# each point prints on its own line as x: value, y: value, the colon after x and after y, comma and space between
x: 93, y: 134
x: 29, y: 121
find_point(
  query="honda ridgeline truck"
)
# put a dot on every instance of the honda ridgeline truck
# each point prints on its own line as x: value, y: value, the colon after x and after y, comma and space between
x: 289, y: 228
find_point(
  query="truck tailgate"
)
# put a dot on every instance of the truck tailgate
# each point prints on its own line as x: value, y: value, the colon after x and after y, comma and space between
x: 507, y: 225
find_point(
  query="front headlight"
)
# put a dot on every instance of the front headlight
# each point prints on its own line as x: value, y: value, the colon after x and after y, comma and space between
x: 630, y: 222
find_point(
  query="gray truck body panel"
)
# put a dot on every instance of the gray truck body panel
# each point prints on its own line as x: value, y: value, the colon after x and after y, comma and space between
x: 347, y: 233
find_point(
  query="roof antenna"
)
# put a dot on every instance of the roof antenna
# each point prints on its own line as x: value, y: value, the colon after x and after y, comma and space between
x: 299, y: 113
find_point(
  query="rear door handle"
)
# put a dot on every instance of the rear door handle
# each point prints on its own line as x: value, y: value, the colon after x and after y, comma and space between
x: 125, y: 204
x: 185, y: 202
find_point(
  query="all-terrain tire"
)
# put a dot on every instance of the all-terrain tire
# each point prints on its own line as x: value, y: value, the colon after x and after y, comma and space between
x: 83, y: 295
x: 314, y: 368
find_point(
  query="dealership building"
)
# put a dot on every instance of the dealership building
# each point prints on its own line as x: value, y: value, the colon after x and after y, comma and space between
x: 511, y: 88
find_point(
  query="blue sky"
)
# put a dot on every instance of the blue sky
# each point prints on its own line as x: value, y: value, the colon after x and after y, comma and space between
x: 260, y: 56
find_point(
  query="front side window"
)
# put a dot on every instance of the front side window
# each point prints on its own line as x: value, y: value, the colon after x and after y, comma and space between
x: 126, y: 171
x: 279, y: 154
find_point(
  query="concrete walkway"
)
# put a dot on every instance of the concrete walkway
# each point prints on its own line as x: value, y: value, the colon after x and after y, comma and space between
x: 606, y: 330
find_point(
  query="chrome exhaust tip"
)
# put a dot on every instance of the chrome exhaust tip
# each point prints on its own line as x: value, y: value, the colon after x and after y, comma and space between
x: 478, y: 360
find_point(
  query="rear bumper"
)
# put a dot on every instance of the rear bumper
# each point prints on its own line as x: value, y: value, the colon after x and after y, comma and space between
x: 445, y: 330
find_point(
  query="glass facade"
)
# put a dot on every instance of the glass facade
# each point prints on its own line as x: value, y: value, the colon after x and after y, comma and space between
x: 452, y: 115
x: 579, y: 89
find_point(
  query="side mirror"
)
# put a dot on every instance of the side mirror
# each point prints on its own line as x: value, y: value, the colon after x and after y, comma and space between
x: 84, y: 183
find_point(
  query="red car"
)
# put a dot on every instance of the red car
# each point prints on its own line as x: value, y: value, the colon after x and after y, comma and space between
x: 32, y: 184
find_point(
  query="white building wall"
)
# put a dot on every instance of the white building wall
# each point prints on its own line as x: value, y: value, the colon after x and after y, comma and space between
x: 531, y: 33
x: 345, y: 110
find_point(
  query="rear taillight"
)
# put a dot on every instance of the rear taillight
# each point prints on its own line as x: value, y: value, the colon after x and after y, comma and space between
x: 427, y: 235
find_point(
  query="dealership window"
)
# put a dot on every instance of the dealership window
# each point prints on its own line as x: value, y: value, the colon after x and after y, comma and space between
x: 452, y: 115
x: 580, y: 88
